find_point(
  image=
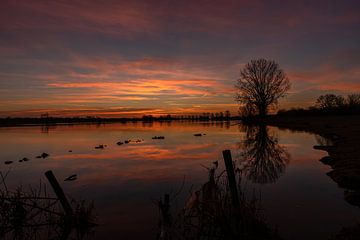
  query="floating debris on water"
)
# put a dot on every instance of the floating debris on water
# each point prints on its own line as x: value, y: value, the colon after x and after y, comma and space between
x: 71, y: 178
x: 199, y: 134
x: 8, y: 162
x: 158, y: 137
x: 43, y: 155
x: 101, y: 146
x: 24, y: 159
x: 130, y: 141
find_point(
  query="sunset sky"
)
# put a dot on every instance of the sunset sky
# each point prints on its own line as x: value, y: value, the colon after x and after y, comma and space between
x: 129, y: 58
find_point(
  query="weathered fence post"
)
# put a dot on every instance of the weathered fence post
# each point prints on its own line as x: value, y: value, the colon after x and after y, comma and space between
x: 59, y: 193
x: 165, y: 222
x: 231, y: 177
x: 166, y: 209
x: 167, y: 202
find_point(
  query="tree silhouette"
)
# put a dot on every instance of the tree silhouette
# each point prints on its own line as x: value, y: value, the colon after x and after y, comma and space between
x: 353, y: 100
x: 260, y: 86
x: 331, y: 101
x: 263, y: 159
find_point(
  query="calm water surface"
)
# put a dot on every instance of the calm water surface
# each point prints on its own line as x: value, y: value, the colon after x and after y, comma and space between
x: 300, y: 200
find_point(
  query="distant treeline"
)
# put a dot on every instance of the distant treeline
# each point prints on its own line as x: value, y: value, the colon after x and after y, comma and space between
x: 45, y: 119
x: 58, y: 120
x: 218, y: 116
x: 328, y: 104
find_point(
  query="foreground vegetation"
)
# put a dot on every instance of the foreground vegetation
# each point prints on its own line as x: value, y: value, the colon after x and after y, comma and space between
x: 220, y: 209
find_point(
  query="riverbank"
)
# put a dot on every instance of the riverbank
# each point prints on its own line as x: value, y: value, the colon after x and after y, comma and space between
x: 346, y: 127
x: 53, y: 121
x: 343, y: 149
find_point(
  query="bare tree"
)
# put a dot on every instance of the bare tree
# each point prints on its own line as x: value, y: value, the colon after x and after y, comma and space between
x: 353, y: 100
x: 260, y: 85
x: 330, y: 101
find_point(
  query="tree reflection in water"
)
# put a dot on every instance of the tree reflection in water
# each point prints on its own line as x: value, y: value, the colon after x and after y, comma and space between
x: 262, y: 158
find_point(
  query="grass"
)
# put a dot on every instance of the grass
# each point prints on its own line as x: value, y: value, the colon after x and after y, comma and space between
x: 210, y: 214
x: 33, y: 213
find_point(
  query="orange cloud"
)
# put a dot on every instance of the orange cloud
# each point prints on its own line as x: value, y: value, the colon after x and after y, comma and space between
x: 98, y: 83
x: 153, y: 86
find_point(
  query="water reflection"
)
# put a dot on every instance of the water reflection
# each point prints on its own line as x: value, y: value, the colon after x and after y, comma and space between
x: 262, y: 158
x: 47, y: 128
x: 124, y: 180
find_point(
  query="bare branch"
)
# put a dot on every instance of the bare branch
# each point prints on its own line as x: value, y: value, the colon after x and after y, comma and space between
x: 260, y: 86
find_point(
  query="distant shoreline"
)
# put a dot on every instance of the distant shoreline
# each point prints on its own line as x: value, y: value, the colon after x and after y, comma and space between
x: 52, y: 121
x: 342, y: 126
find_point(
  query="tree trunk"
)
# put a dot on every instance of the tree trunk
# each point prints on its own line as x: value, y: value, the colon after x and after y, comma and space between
x: 262, y: 110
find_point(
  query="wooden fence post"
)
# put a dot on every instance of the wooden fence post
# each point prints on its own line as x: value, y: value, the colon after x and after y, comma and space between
x: 231, y: 178
x: 166, y: 209
x: 59, y: 193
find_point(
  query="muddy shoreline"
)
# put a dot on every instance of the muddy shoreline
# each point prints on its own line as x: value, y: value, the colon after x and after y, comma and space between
x: 343, y: 148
